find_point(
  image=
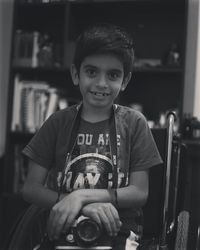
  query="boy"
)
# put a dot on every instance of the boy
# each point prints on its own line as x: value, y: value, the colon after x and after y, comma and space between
x: 96, y: 155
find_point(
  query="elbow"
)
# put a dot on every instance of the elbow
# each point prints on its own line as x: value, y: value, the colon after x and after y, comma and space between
x: 25, y: 193
x: 144, y: 198
x: 141, y: 198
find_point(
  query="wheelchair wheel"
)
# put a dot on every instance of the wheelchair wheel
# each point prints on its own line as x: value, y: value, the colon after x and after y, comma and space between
x: 30, y: 230
x: 182, y: 231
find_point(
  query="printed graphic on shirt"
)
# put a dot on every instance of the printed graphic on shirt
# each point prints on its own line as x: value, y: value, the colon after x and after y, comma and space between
x: 91, y: 164
x: 90, y: 170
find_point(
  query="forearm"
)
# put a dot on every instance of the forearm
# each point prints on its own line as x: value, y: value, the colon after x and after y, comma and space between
x: 40, y: 195
x: 134, y: 195
x: 44, y: 197
x: 129, y: 196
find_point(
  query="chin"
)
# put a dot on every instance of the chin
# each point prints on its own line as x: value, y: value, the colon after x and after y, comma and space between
x: 99, y: 104
x: 103, y: 105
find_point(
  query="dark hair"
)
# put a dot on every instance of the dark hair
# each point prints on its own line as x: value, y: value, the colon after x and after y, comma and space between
x: 104, y: 38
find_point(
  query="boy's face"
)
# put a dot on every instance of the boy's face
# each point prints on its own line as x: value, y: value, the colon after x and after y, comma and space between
x: 100, y: 80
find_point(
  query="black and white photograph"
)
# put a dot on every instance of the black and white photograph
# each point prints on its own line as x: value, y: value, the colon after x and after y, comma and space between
x: 99, y: 124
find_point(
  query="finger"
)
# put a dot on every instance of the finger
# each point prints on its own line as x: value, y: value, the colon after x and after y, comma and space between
x: 105, y: 221
x: 112, y: 221
x: 69, y: 222
x: 51, y: 224
x: 53, y: 212
x: 58, y: 228
x: 116, y: 217
x: 96, y: 218
x: 56, y: 221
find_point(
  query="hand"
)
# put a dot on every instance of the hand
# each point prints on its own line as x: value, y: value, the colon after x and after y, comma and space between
x: 105, y: 214
x: 63, y: 214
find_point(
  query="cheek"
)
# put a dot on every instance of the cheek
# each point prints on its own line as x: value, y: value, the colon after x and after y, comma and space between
x: 84, y: 85
x: 81, y: 88
x: 117, y: 87
x: 85, y: 81
x: 117, y: 92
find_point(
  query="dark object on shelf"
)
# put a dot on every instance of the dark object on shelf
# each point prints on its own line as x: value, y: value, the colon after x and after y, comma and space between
x: 173, y: 56
x: 190, y: 127
x: 45, y: 54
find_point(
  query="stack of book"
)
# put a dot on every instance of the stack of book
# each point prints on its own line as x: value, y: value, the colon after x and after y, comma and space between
x: 33, y: 103
x: 26, y: 49
x: 33, y: 49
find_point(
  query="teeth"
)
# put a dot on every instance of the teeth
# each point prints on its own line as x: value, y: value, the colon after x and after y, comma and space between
x: 100, y: 94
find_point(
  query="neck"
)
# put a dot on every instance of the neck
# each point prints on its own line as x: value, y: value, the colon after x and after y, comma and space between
x: 95, y: 115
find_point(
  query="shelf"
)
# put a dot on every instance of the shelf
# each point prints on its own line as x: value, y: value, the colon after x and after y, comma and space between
x: 63, y: 70
x: 56, y: 70
x: 57, y: 2
x: 157, y: 70
x: 154, y: 25
x: 41, y: 3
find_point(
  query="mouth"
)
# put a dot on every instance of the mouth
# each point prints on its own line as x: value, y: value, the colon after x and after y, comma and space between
x: 99, y: 93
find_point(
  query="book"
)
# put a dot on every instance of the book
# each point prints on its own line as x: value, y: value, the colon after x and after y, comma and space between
x: 27, y: 111
x: 29, y: 100
x: 52, y: 102
x: 26, y: 48
x: 31, y: 105
x: 35, y: 50
x: 41, y: 100
x: 16, y: 123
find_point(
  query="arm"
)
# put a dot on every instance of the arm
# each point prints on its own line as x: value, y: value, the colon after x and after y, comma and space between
x: 134, y: 195
x: 65, y: 211
x: 96, y: 204
x: 34, y: 190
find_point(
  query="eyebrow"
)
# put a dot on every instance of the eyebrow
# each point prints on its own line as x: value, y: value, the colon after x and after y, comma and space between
x: 96, y: 67
x: 89, y: 66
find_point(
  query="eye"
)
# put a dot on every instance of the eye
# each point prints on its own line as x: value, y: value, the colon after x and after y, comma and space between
x: 113, y: 75
x: 91, y: 72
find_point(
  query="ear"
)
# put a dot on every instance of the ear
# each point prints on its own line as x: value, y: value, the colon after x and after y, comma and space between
x: 74, y: 75
x: 126, y: 81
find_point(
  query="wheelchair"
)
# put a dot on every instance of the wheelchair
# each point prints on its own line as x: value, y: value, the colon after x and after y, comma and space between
x: 164, y: 224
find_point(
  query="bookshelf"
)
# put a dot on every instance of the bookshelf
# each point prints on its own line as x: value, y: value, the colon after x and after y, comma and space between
x: 43, y: 38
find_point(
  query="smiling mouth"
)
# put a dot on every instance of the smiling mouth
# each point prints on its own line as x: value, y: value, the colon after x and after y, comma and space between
x: 99, y: 93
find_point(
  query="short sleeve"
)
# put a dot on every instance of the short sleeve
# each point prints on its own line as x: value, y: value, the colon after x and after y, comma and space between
x: 144, y: 152
x: 41, y: 148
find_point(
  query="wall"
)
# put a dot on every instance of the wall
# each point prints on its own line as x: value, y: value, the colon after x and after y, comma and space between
x: 192, y: 74
x: 197, y: 79
x: 6, y: 7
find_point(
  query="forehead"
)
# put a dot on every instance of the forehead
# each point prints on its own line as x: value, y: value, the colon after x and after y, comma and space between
x: 104, y: 62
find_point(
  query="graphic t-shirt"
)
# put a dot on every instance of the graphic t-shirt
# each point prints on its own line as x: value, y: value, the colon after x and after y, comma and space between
x: 90, y: 164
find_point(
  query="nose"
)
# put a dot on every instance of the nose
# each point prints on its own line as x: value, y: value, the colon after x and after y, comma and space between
x: 102, y: 81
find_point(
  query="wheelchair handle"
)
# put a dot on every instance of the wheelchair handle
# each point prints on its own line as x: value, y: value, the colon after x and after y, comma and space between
x: 171, y: 113
x: 170, y: 131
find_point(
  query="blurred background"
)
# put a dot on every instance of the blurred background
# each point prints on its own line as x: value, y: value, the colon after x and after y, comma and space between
x: 36, y: 49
